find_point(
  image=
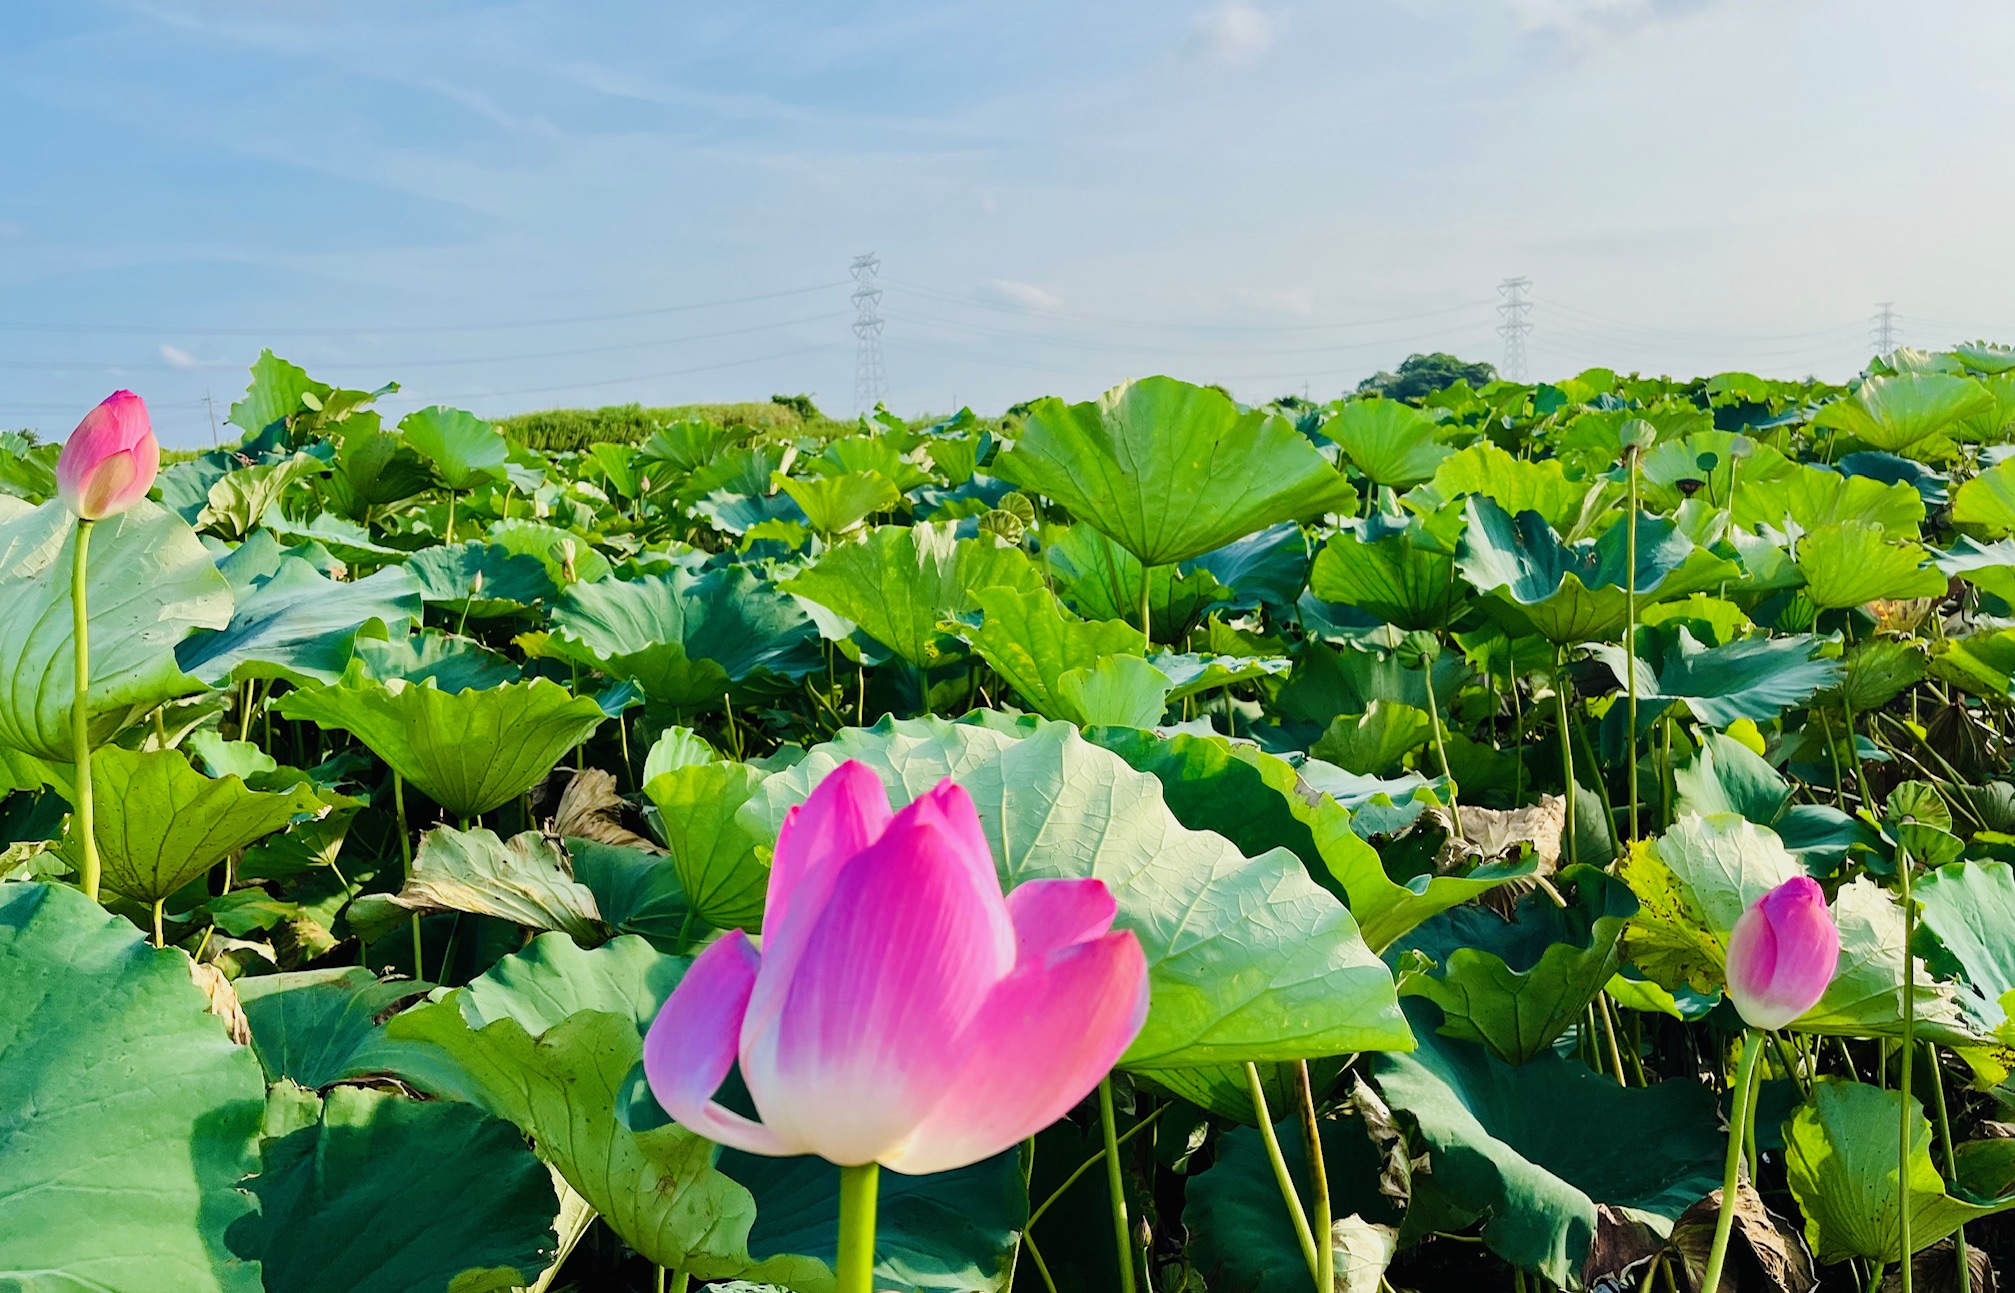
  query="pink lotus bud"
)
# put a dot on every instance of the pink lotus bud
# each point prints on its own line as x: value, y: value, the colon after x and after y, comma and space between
x: 110, y: 460
x: 901, y: 1011
x: 1782, y: 954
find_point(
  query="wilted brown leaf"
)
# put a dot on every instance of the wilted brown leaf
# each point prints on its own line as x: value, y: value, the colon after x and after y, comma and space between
x: 1772, y: 1245
x: 590, y: 809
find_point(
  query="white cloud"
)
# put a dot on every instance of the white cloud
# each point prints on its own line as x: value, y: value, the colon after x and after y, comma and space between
x: 1026, y: 295
x: 1235, y: 32
x: 1585, y: 17
x: 179, y: 358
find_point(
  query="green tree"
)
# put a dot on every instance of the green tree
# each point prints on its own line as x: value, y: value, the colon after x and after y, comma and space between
x: 1422, y: 375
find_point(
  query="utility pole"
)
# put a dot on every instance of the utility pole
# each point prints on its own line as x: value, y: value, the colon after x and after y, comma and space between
x: 211, y: 406
x: 870, y: 379
x: 1885, y: 330
x: 1515, y: 328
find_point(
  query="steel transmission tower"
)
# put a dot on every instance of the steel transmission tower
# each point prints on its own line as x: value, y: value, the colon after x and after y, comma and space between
x: 1516, y: 327
x: 1885, y: 330
x: 871, y: 384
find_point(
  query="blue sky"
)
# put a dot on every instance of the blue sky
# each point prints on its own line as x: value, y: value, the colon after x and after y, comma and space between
x: 512, y: 206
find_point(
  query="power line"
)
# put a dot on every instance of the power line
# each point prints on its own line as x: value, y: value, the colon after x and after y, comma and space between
x: 1515, y: 329
x: 1695, y: 334
x: 871, y: 385
x: 1164, y: 324
x: 639, y: 377
x: 1156, y: 348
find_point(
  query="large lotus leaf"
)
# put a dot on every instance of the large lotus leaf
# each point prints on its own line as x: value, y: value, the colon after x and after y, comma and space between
x: 1986, y: 503
x: 274, y: 395
x: 149, y: 584
x: 551, y: 1038
x: 1854, y: 563
x: 469, y: 751
x: 1515, y: 985
x: 1808, y: 497
x: 1401, y: 576
x: 239, y: 499
x: 1031, y: 641
x: 684, y: 637
x: 1712, y: 464
x: 1696, y: 880
x: 1876, y: 672
x: 1893, y: 413
x: 449, y: 662
x: 1169, y: 470
x: 465, y: 450
x: 745, y: 470
x: 1754, y: 678
x: 685, y: 445
x: 1260, y: 802
x: 835, y: 504
x: 1118, y: 691
x: 318, y: 1027
x: 527, y: 879
x: 130, y: 1118
x: 1981, y: 663
x: 1968, y: 908
x: 1373, y: 743
x: 1533, y: 1150
x: 27, y: 470
x: 1328, y: 682
x: 1102, y: 581
x: 1248, y: 958
x: 900, y: 582
x: 373, y: 468
x: 1266, y: 568
x: 388, y: 1195
x: 1392, y: 443
x: 1840, y: 1156
x: 882, y: 454
x: 637, y: 892
x: 347, y: 541
x: 300, y: 625
x: 1192, y: 675
x: 160, y: 823
x: 716, y: 857
x: 567, y: 555
x: 1514, y: 484
x: 1989, y: 567
x: 480, y: 580
x: 1728, y: 777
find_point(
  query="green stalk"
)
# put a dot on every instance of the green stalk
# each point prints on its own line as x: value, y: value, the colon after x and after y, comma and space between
x: 1318, y: 1181
x: 1440, y: 749
x: 406, y: 853
x: 1280, y: 1173
x: 80, y: 718
x: 1146, y: 619
x: 1951, y: 1168
x: 855, y: 1270
x: 1115, y: 1185
x: 1630, y: 646
x: 1566, y: 747
x: 1903, y: 864
x: 451, y: 518
x: 160, y: 940
x: 1731, y: 1173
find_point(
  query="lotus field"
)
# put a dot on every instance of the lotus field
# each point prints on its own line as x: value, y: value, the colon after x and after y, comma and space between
x: 1545, y: 836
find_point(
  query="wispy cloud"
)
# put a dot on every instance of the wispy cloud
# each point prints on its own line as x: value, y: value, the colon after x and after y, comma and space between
x: 1026, y: 295
x: 179, y: 358
x: 1235, y: 32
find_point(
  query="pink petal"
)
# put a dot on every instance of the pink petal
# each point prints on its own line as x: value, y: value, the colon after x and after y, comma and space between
x: 1050, y: 914
x: 691, y: 1046
x: 862, y: 1041
x: 1782, y: 954
x: 845, y: 813
x: 1047, y: 1034
x: 110, y: 460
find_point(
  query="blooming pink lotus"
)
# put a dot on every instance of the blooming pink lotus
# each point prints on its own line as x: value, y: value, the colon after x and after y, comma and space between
x: 901, y: 1011
x: 110, y: 460
x: 1782, y: 954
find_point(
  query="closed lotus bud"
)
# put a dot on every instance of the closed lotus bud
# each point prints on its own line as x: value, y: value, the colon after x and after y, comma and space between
x: 110, y: 460
x: 1782, y: 954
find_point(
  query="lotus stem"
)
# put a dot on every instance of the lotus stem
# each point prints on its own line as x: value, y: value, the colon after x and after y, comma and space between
x: 1115, y: 1184
x: 1440, y: 748
x: 1951, y: 1167
x: 451, y: 516
x: 1566, y: 748
x: 160, y: 939
x: 1731, y: 1172
x: 406, y: 855
x: 1318, y: 1182
x: 1904, y: 862
x: 1146, y: 619
x: 1281, y: 1176
x: 1609, y: 1034
x: 855, y: 1269
x: 1630, y: 646
x: 80, y: 718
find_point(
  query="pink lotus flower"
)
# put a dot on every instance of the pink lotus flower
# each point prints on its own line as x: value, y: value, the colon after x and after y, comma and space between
x: 900, y: 1011
x: 1782, y: 954
x: 110, y: 460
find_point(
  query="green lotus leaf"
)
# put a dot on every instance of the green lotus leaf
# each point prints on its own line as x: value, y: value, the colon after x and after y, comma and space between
x: 684, y: 446
x: 319, y: 1027
x: 1533, y: 1150
x: 1118, y: 691
x: 161, y: 824
x: 1840, y: 1156
x: 1720, y: 467
x: 835, y: 504
x: 1854, y: 563
x: 1392, y: 443
x: 1805, y: 497
x: 464, y: 449
x: 1400, y: 574
x: 1266, y: 568
x: 900, y: 583
x: 347, y: 541
x: 1728, y: 777
x: 1754, y: 678
x: 744, y: 470
x: 1514, y: 484
x: 685, y: 637
x: 1982, y: 357
x: 616, y: 466
x: 677, y: 747
x: 567, y: 555
x: 1892, y: 413
x: 1876, y: 672
x: 275, y: 395
x: 480, y: 580
x: 373, y: 468
x: 1260, y: 802
x: 1031, y: 641
x: 449, y: 662
x: 637, y: 892
x: 719, y: 861
x: 118, y: 1084
x: 149, y: 585
x: 296, y: 623
x: 1373, y: 743
x: 1985, y: 504
x: 1193, y: 675
x: 1515, y: 985
x: 527, y: 879
x: 1102, y: 581
x: 239, y: 499
x: 1980, y: 663
x: 468, y: 751
x: 1169, y: 470
x: 27, y: 469
x: 1968, y: 908
x: 382, y: 1192
x: 1268, y: 967
x: 882, y: 455
x: 1990, y: 567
